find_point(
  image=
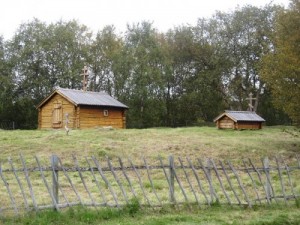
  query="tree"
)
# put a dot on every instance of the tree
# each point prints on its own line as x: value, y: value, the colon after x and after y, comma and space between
x: 43, y: 57
x: 280, y: 68
x: 6, y: 86
x: 145, y: 97
x: 241, y: 39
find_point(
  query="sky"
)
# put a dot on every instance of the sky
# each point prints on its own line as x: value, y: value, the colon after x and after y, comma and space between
x: 95, y: 14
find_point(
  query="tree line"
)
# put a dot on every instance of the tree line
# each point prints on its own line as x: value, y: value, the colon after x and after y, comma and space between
x: 183, y: 77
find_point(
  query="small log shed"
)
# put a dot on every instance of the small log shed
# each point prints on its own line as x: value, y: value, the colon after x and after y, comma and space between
x: 239, y: 120
x: 80, y: 110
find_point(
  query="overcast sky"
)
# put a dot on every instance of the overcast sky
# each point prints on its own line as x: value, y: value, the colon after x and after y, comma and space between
x: 95, y: 14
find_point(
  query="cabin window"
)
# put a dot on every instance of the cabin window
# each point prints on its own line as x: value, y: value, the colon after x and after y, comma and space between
x: 105, y: 112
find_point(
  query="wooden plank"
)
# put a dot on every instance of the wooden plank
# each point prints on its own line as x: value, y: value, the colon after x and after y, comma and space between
x: 198, y: 181
x: 82, y: 179
x: 220, y: 181
x: 70, y: 181
x: 281, y: 180
x: 269, y: 186
x: 127, y: 177
x: 19, y: 182
x: 261, y: 182
x: 106, y: 181
x: 149, y: 178
x: 229, y: 182
x: 55, y: 179
x: 117, y: 179
x: 188, y: 180
x: 289, y: 177
x: 29, y: 183
x: 208, y: 177
x: 97, y: 182
x: 173, y: 200
x: 140, y: 181
x: 240, y: 183
x: 12, y: 199
x: 253, y: 182
x: 46, y: 184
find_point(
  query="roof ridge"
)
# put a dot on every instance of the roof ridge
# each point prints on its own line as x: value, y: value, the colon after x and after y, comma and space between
x: 81, y: 91
x: 233, y: 111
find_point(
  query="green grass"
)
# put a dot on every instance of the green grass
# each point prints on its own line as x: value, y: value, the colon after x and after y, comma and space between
x: 194, y: 142
x: 133, y: 215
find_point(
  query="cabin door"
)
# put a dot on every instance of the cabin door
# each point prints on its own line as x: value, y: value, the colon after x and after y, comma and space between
x: 57, y: 116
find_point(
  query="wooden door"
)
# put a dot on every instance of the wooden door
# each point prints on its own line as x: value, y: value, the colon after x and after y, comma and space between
x: 57, y: 115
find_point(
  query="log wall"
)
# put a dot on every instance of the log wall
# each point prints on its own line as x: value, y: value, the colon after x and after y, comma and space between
x: 248, y: 125
x: 225, y: 123
x: 90, y: 117
x: 50, y: 118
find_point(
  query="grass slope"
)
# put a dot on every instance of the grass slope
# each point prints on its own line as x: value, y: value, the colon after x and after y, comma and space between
x: 194, y: 141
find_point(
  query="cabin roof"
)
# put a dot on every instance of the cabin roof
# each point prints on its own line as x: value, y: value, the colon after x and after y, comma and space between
x: 237, y: 116
x: 79, y: 97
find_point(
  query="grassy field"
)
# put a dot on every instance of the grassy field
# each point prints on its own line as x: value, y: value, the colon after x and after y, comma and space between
x: 196, y: 142
x: 132, y: 215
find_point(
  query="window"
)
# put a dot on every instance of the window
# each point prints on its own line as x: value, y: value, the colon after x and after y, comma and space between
x: 105, y: 112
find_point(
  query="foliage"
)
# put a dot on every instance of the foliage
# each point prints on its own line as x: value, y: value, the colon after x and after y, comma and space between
x: 281, y: 69
x: 176, y: 78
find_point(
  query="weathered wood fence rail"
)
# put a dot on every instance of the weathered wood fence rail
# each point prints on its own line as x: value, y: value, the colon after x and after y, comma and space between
x: 36, y: 184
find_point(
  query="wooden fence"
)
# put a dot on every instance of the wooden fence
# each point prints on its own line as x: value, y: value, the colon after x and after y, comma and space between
x: 38, y: 183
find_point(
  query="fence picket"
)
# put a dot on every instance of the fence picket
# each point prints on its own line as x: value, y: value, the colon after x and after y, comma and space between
x: 172, y: 196
x: 240, y: 183
x: 140, y: 181
x: 198, y: 180
x: 127, y: 177
x: 188, y: 180
x: 96, y: 180
x: 46, y: 184
x: 269, y: 186
x: 130, y: 180
x: 106, y: 181
x: 229, y: 182
x: 117, y: 179
x: 208, y: 177
x: 151, y: 183
x: 19, y: 183
x: 289, y: 177
x: 180, y: 184
x: 70, y: 181
x: 83, y: 181
x: 29, y: 183
x: 220, y: 181
x: 252, y: 180
x: 281, y: 180
x: 12, y: 199
x: 55, y: 178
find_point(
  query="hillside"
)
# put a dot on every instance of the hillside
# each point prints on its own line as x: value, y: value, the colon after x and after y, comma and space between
x: 193, y: 141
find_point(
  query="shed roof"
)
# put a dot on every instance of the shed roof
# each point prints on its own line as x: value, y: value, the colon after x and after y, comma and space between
x: 241, y: 116
x: 79, y: 97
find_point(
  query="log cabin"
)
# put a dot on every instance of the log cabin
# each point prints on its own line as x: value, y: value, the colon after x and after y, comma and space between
x: 79, y: 109
x: 239, y: 120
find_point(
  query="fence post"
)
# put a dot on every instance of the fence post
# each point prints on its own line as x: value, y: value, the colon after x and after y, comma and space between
x: 209, y: 167
x: 266, y: 165
x: 54, y: 165
x: 172, y: 177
